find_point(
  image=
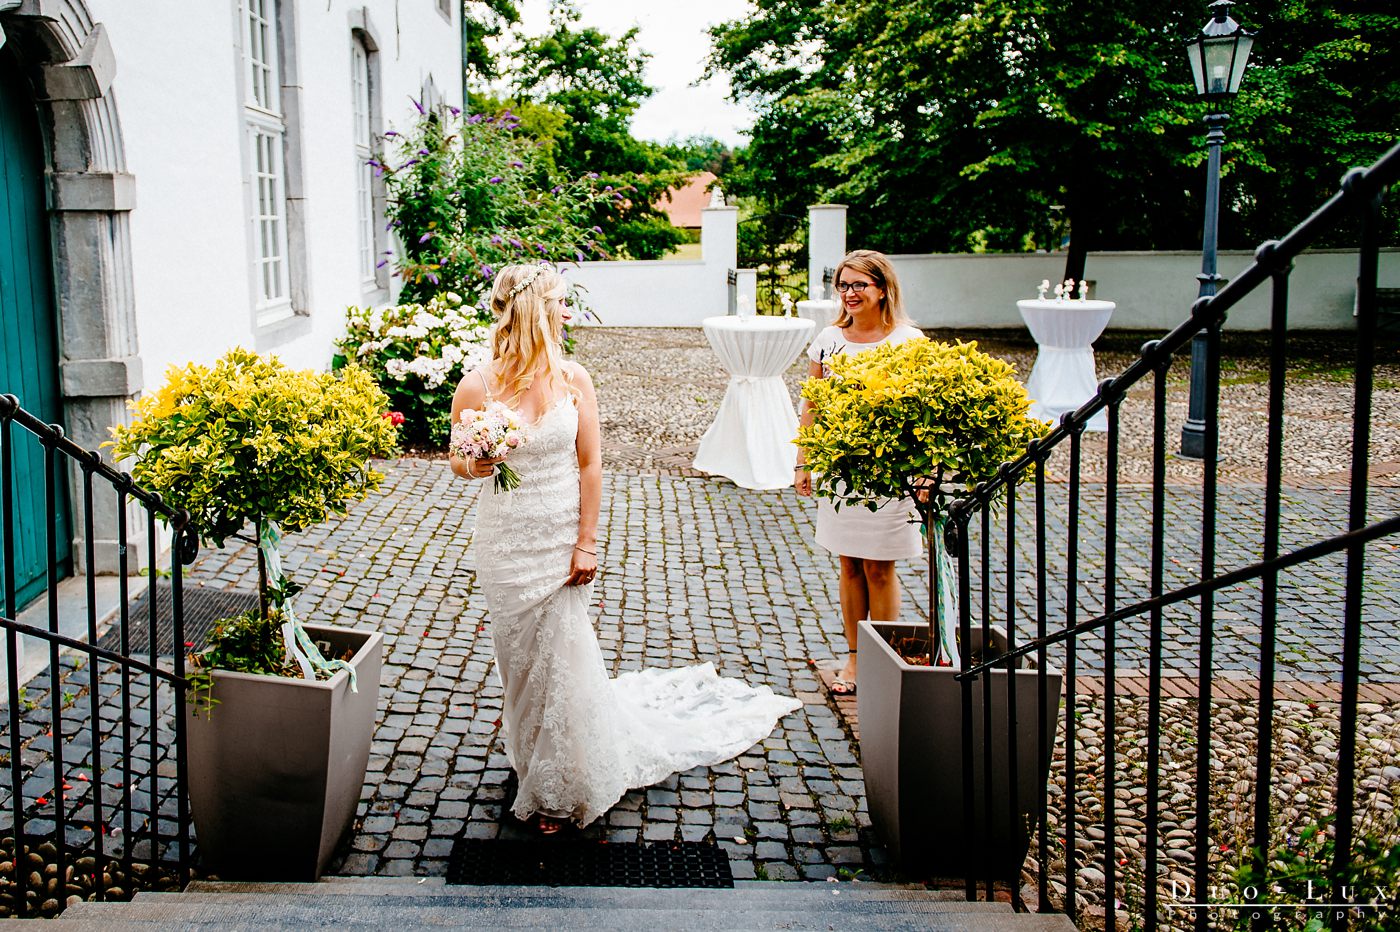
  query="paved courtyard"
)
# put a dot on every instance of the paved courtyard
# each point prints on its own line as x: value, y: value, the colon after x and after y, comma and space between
x: 694, y: 569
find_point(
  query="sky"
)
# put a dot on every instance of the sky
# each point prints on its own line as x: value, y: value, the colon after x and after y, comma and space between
x: 674, y: 32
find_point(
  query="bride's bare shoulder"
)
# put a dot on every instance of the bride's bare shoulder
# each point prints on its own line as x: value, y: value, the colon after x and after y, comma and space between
x: 471, y: 389
x: 575, y: 373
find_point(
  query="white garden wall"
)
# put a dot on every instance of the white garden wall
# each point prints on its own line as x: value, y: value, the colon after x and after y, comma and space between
x: 1153, y: 291
x: 666, y: 293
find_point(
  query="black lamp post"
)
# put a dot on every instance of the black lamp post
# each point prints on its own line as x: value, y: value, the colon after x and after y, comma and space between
x: 1218, y: 56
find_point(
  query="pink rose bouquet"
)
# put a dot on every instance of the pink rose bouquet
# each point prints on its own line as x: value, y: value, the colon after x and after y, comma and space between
x: 489, y: 434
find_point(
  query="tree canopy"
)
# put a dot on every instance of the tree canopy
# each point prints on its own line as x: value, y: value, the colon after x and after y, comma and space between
x: 483, y: 20
x: 577, y: 89
x: 951, y: 126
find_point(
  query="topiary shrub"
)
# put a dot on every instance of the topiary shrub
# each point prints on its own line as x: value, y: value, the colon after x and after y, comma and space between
x: 916, y: 420
x: 250, y: 441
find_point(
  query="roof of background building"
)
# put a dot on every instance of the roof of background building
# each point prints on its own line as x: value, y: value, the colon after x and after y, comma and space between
x: 684, y: 204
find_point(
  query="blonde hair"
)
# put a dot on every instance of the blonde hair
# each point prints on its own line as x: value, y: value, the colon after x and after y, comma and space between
x: 529, y: 333
x: 877, y: 266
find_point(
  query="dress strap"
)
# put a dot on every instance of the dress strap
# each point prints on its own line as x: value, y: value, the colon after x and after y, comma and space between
x: 485, y: 385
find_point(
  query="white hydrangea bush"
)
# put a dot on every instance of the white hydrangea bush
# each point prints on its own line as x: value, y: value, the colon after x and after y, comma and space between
x: 418, y: 353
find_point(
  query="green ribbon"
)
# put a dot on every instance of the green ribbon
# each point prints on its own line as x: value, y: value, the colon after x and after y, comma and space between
x: 945, y: 652
x: 300, y: 647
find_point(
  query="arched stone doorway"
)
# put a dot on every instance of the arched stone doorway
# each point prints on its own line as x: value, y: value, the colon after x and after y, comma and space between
x: 66, y: 60
x: 28, y: 331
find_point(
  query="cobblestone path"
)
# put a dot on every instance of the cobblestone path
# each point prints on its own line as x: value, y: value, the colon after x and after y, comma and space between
x: 693, y: 570
x: 696, y: 570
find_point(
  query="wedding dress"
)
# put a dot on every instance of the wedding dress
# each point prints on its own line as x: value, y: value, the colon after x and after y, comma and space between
x: 576, y: 738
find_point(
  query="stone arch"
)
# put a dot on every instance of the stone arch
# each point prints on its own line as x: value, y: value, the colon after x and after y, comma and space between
x: 69, y: 63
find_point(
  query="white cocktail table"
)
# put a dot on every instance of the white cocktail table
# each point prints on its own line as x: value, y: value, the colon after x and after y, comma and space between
x: 751, y: 439
x: 1063, y: 377
x: 821, y: 311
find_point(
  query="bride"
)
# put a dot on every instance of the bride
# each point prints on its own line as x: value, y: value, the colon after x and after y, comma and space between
x: 576, y: 739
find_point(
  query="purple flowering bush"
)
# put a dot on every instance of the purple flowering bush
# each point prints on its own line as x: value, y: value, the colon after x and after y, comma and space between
x: 468, y: 194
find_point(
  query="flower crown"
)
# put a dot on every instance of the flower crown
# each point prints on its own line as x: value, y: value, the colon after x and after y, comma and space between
x: 524, y: 283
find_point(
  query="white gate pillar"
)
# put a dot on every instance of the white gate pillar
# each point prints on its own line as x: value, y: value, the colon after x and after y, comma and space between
x: 826, y: 243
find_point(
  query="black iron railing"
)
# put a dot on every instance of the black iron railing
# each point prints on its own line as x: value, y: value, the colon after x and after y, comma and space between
x: 96, y: 799
x: 1165, y: 590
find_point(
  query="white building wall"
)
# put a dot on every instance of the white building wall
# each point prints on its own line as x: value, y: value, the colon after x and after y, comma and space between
x: 178, y: 90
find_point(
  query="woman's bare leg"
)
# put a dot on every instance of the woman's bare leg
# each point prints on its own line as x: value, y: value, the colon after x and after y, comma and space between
x: 855, y: 607
x: 882, y: 587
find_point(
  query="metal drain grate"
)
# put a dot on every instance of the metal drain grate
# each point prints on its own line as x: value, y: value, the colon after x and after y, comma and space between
x: 568, y: 863
x: 204, y: 605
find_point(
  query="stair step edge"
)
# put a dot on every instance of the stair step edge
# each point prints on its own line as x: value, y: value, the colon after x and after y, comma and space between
x: 771, y: 895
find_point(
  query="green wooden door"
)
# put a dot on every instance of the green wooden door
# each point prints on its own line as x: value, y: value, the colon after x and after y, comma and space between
x: 28, y: 340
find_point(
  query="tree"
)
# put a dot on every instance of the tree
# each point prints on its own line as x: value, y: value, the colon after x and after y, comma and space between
x: 701, y: 154
x: 1323, y: 97
x: 948, y: 126
x: 483, y: 20
x: 596, y: 82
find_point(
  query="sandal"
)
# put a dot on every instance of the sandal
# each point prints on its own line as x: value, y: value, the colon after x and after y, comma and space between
x: 840, y: 686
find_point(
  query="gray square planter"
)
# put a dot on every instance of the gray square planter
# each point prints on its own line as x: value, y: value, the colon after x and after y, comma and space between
x: 911, y: 751
x: 276, y: 770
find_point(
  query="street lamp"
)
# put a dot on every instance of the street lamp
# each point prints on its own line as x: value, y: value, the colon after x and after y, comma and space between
x: 1218, y: 56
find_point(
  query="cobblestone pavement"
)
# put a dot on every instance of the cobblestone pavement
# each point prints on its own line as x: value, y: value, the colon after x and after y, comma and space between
x: 696, y: 570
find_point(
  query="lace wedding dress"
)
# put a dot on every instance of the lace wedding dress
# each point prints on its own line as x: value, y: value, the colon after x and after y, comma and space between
x: 576, y: 738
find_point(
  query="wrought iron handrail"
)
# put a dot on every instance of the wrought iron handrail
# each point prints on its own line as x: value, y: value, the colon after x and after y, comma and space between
x: 109, y: 797
x: 1187, y: 593
x: 52, y: 434
x: 96, y: 650
x: 1361, y: 191
x: 1359, y: 185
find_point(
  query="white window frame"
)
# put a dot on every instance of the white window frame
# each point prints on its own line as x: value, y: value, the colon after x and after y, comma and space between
x: 362, y: 110
x: 444, y: 7
x: 265, y: 94
x: 269, y: 216
x: 265, y: 136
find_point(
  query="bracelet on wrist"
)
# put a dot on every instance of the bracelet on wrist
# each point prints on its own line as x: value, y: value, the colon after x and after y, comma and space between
x: 591, y: 553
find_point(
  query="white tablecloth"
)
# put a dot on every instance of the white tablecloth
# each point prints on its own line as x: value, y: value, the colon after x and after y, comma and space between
x: 1063, y: 377
x: 821, y: 312
x: 751, y: 439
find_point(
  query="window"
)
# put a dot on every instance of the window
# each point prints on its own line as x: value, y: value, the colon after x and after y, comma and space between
x: 445, y: 8
x: 261, y: 55
x: 429, y: 95
x: 265, y: 132
x: 364, y: 172
x: 369, y: 184
x: 269, y: 218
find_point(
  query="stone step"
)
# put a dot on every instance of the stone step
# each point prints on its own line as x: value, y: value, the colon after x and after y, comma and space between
x: 619, y: 897
x: 393, y: 902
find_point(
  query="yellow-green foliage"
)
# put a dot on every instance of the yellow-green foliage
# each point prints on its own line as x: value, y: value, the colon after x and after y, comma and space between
x: 250, y: 439
x: 891, y: 415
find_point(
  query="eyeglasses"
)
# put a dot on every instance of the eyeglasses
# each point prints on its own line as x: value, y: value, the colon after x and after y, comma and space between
x: 857, y: 287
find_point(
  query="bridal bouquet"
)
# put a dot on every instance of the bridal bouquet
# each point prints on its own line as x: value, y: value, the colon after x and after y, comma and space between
x: 489, y: 434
